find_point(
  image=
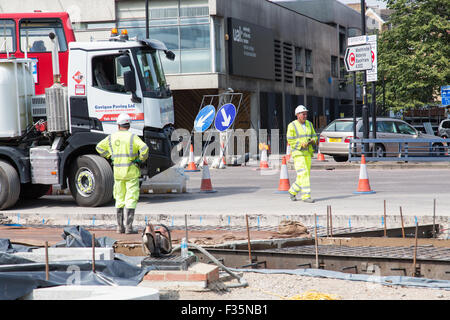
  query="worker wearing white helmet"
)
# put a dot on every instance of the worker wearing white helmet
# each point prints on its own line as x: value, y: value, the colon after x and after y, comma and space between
x: 301, y: 136
x: 126, y: 151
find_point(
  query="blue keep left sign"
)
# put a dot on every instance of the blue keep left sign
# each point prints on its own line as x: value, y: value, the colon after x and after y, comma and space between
x: 225, y: 117
x: 204, y: 118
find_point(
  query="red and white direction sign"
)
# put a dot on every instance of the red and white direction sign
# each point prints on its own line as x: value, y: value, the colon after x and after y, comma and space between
x: 358, y: 58
x: 372, y: 74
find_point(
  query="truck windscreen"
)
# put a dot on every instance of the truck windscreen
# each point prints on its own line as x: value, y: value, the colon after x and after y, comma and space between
x: 151, y: 71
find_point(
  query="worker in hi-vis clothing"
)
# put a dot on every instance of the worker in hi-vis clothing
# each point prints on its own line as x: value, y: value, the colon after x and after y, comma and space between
x: 301, y: 136
x: 126, y: 151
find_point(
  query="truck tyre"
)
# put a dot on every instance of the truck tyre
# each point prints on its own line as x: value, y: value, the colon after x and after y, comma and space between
x: 9, y: 185
x: 91, y: 180
x: 33, y: 191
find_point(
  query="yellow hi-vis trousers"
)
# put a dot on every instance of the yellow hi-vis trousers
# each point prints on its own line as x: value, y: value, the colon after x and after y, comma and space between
x: 126, y: 193
x: 302, y: 165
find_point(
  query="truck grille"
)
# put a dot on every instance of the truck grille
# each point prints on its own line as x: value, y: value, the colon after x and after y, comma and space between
x: 38, y: 108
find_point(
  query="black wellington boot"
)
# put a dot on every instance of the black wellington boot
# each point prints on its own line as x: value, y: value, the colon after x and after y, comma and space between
x: 130, y: 218
x: 120, y: 226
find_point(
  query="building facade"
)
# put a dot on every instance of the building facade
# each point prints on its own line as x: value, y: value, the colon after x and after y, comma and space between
x: 277, y: 53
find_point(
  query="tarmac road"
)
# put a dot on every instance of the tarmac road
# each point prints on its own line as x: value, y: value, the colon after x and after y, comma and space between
x: 247, y: 190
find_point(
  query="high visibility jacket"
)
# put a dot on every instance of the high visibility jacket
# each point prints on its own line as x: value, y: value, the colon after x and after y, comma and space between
x: 123, y: 148
x: 296, y: 136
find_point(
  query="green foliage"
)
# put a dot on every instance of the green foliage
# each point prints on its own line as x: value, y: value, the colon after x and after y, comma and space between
x: 414, y: 55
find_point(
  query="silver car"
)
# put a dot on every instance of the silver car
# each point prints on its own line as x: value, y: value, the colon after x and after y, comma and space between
x: 444, y: 129
x: 335, y: 138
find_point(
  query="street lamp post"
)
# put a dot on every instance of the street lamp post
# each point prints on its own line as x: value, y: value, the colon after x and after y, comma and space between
x: 365, y: 111
x: 147, y: 32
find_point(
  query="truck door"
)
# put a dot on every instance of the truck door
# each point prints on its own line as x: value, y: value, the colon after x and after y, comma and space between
x: 107, y: 97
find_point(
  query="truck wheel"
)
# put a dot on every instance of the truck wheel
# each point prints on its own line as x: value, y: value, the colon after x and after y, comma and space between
x: 33, y: 191
x: 91, y: 180
x: 9, y: 185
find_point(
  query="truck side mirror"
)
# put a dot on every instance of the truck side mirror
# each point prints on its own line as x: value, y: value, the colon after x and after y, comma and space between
x: 170, y: 55
x: 125, y: 61
x: 130, y: 85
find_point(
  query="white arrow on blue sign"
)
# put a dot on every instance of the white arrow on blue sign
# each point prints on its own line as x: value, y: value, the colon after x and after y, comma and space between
x: 225, y: 117
x: 204, y: 118
x: 445, y: 95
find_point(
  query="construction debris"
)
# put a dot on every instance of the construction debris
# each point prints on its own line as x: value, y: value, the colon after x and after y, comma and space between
x: 292, y: 228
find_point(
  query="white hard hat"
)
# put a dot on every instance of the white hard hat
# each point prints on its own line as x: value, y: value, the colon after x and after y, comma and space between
x: 300, y: 108
x: 123, y: 118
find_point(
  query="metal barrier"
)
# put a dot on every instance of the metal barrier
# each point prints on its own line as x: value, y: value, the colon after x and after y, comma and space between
x: 414, y: 150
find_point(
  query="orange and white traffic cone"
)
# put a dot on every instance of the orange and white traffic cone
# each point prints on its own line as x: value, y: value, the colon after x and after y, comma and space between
x: 191, y: 166
x: 288, y: 152
x: 206, y: 185
x: 284, y: 184
x: 264, y: 164
x: 320, y: 157
x: 363, y: 184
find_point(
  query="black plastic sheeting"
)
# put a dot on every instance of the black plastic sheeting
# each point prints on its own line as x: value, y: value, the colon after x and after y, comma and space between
x: 19, y: 276
x: 76, y: 237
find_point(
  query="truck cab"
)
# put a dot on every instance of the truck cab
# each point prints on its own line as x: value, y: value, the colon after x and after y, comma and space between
x: 107, y: 78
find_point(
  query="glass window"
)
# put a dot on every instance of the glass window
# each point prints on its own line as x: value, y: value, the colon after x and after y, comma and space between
x: 171, y: 66
x: 34, y: 35
x: 334, y: 66
x: 342, y: 44
x: 168, y: 35
x: 108, y: 74
x: 162, y: 9
x: 446, y: 124
x: 299, y: 82
x: 342, y: 70
x: 194, y: 8
x: 340, y: 126
x: 298, y: 59
x: 218, y: 45
x: 308, y: 61
x: 381, y: 126
x: 194, y: 20
x: 389, y: 127
x: 195, y: 61
x: 405, y: 128
x: 7, y: 36
x: 194, y: 36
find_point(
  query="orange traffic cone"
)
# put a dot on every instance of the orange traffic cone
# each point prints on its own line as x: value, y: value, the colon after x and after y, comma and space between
x: 206, y: 185
x: 288, y: 152
x: 263, y: 164
x: 222, y: 161
x: 363, y: 184
x: 284, y: 184
x: 320, y: 157
x: 191, y: 166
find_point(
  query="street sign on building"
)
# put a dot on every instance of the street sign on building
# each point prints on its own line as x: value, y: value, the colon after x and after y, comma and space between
x: 372, y: 75
x: 445, y: 95
x: 358, y: 58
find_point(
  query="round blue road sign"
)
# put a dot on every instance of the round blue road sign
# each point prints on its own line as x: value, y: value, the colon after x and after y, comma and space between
x: 225, y: 117
x: 204, y: 118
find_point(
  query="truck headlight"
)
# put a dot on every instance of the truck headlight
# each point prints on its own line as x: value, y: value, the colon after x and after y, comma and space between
x: 155, y: 145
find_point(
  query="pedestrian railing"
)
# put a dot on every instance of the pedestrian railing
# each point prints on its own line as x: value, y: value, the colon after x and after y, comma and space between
x: 414, y: 150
